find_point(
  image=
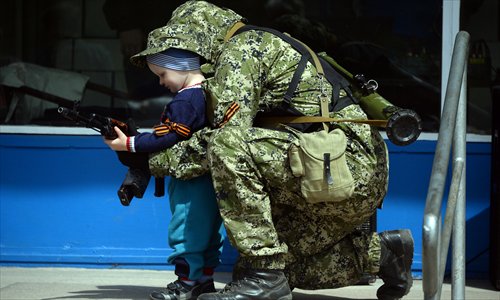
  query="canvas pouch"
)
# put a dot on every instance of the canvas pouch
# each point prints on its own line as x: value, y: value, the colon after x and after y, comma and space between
x: 319, y: 159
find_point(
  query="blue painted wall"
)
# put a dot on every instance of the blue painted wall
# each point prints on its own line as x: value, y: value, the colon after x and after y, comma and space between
x: 410, y: 170
x: 58, y: 205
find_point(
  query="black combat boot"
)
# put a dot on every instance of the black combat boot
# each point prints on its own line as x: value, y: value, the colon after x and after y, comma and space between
x: 395, y: 264
x: 178, y: 290
x: 254, y: 285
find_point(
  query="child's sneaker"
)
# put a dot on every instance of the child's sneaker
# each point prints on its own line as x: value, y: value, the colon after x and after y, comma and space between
x: 179, y: 290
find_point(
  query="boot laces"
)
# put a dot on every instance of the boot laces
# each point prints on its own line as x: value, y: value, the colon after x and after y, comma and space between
x: 234, y: 285
x: 231, y: 286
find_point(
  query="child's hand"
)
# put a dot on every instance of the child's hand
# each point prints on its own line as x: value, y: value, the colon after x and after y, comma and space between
x: 118, y: 144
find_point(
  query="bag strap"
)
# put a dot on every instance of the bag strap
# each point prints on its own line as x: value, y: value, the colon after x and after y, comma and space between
x: 316, y: 119
x: 233, y: 30
x: 307, y: 54
x: 303, y: 49
x: 325, y: 113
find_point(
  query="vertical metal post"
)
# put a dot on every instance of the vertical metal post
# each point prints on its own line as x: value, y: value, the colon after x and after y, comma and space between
x: 459, y: 153
x: 436, y: 242
x: 450, y: 28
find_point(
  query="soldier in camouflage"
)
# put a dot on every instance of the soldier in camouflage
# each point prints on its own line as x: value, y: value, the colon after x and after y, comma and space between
x: 284, y: 240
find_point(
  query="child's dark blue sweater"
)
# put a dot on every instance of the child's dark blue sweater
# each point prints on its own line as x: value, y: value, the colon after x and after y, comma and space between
x: 181, y: 117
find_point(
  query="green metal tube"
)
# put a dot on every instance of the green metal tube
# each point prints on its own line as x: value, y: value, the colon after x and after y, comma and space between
x: 403, y: 125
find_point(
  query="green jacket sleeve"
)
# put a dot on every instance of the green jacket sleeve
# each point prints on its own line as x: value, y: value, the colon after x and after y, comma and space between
x: 238, y: 79
x: 184, y: 160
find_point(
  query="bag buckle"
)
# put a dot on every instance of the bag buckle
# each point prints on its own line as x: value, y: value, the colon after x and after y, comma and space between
x: 328, y: 172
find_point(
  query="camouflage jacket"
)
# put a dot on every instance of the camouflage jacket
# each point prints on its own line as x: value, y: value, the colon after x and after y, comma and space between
x: 252, y: 71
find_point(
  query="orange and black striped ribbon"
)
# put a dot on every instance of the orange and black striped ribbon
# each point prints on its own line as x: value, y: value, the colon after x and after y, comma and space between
x: 230, y: 113
x: 180, y: 129
x: 161, y: 129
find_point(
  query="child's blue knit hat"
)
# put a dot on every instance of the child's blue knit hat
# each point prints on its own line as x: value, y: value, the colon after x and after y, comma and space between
x: 175, y: 59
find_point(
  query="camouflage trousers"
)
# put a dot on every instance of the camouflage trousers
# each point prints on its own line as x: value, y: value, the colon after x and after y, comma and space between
x: 274, y: 227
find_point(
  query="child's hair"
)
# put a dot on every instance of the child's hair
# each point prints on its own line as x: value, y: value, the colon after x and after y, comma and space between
x: 175, y: 59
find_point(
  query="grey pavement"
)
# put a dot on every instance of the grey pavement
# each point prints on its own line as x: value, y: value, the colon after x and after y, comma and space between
x: 78, y: 283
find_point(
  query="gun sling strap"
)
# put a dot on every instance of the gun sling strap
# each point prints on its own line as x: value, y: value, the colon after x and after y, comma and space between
x: 323, y: 68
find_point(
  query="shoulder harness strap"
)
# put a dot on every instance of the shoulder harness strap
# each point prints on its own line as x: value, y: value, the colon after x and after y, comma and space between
x: 333, y: 77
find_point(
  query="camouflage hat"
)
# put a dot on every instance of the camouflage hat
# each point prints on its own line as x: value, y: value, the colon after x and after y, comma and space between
x: 197, y: 26
x: 159, y: 40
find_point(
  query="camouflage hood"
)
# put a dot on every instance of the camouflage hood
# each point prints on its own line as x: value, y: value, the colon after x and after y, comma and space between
x: 197, y: 26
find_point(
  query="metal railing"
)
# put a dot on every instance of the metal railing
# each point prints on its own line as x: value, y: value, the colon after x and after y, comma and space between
x: 436, y: 233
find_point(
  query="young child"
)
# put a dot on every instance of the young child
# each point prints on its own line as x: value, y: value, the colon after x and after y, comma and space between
x: 195, y: 228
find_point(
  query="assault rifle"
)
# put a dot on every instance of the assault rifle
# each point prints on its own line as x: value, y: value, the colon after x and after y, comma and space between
x: 137, y: 178
x: 103, y: 125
